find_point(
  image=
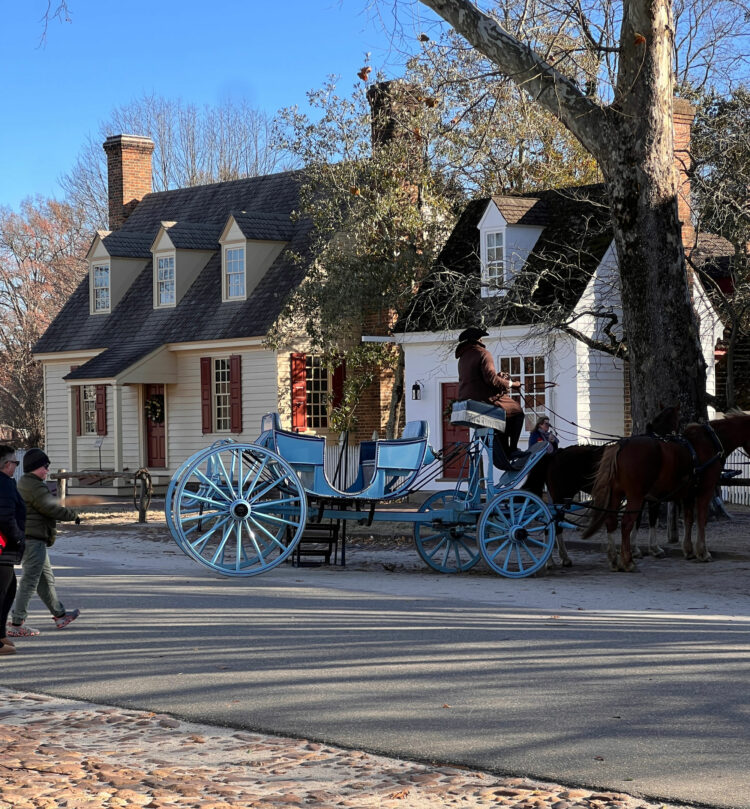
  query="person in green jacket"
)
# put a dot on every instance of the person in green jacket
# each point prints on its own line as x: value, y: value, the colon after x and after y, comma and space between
x: 43, y: 510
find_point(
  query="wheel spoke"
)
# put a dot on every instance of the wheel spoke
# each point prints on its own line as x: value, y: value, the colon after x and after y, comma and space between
x: 500, y: 550
x: 202, y: 540
x: 258, y: 472
x: 211, y: 483
x: 219, y: 552
x: 227, y: 476
x: 279, y: 519
x: 274, y: 539
x: 272, y: 485
x: 206, y: 515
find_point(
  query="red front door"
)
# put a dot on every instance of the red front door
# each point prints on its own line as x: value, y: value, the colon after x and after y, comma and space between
x: 452, y: 435
x: 156, y: 455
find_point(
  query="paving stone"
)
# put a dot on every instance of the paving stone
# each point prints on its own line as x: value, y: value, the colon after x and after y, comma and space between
x: 69, y: 755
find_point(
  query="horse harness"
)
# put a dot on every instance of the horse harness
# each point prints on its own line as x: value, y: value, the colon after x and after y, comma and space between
x: 698, y: 467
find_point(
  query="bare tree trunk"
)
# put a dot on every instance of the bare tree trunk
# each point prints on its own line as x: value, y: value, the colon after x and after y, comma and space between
x: 632, y: 141
x: 397, y: 396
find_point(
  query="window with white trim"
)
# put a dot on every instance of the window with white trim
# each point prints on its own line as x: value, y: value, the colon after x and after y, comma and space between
x: 234, y: 273
x: 494, y: 264
x: 530, y: 371
x: 165, y: 289
x: 100, y: 299
x: 316, y: 392
x: 222, y: 395
x: 88, y: 410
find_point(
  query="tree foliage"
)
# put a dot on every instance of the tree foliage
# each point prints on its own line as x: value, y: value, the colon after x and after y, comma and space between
x: 41, y: 263
x: 721, y: 189
x: 192, y: 146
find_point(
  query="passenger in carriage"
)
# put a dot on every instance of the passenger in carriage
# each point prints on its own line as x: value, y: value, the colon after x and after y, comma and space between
x: 479, y: 380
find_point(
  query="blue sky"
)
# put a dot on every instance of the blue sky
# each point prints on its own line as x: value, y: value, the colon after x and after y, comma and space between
x: 269, y: 53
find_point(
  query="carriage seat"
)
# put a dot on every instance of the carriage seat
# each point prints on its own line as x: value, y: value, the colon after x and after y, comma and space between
x: 387, y: 467
x: 471, y: 413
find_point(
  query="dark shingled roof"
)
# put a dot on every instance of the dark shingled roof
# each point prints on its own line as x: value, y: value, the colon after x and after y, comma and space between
x: 134, y: 328
x: 128, y: 245
x: 576, y: 235
x: 194, y: 236
x: 262, y: 226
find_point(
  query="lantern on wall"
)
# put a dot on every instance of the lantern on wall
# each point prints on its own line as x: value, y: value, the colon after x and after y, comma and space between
x: 416, y: 391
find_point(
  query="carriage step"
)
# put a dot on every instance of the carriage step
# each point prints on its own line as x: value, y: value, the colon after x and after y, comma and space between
x: 318, y: 542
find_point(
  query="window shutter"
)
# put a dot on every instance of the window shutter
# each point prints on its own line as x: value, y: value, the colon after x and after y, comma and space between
x: 337, y: 385
x: 235, y: 393
x: 101, y: 409
x: 206, y: 415
x: 299, y: 392
x: 77, y: 403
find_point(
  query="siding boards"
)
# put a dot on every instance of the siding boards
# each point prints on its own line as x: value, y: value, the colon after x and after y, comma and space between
x: 56, y: 414
x: 184, y: 406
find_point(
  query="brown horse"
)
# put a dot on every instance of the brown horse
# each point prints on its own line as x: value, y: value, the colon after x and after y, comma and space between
x: 573, y: 470
x: 643, y: 468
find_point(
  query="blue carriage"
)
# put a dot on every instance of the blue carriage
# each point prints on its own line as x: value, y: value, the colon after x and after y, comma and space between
x: 240, y: 509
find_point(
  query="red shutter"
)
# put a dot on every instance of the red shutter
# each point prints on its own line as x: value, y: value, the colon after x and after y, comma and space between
x: 299, y: 393
x: 235, y: 393
x: 101, y: 409
x: 77, y: 403
x: 337, y: 385
x: 206, y: 409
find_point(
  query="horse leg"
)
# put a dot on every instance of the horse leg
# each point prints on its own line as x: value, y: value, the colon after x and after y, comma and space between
x: 687, y: 538
x: 637, y: 553
x: 562, y: 551
x: 625, y: 560
x: 702, y: 504
x: 653, y: 524
x: 610, y: 524
x: 672, y: 529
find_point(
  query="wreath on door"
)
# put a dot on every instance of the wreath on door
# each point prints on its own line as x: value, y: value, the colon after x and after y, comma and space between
x: 154, y: 407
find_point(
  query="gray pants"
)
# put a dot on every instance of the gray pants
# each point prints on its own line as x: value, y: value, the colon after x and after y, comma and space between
x: 37, y: 577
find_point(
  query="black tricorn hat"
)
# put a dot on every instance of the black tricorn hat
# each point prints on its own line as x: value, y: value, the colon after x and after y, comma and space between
x: 472, y: 333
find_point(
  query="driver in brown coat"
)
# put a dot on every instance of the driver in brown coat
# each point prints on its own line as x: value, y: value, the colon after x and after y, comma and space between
x: 478, y: 379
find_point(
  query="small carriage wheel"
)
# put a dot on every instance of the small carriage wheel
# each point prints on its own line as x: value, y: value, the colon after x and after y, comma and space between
x: 516, y: 534
x: 447, y: 548
x: 238, y: 509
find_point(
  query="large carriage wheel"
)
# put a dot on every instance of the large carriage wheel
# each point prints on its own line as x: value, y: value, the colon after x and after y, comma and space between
x: 516, y: 534
x: 448, y: 547
x: 238, y: 509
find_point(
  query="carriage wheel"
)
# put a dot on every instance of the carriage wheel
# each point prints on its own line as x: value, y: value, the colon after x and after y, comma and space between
x: 238, y: 509
x: 449, y: 547
x: 516, y: 534
x: 169, y: 500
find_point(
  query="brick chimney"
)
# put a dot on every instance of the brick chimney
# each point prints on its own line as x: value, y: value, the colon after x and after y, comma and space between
x: 129, y: 174
x: 683, y: 115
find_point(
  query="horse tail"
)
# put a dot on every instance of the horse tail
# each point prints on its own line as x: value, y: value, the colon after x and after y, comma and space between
x: 600, y: 491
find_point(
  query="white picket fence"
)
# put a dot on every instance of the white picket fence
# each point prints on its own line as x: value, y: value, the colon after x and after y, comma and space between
x: 737, y: 495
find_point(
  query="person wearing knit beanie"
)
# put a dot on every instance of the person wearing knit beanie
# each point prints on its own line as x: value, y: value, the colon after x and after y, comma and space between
x: 43, y: 510
x: 33, y: 459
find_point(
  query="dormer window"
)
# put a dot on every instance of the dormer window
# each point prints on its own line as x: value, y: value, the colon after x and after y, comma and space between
x: 234, y: 273
x: 494, y: 264
x: 100, y: 299
x: 165, y: 286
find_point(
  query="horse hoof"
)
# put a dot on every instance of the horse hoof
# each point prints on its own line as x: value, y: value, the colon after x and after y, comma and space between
x: 705, y: 558
x: 658, y: 553
x: 567, y: 563
x: 637, y: 553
